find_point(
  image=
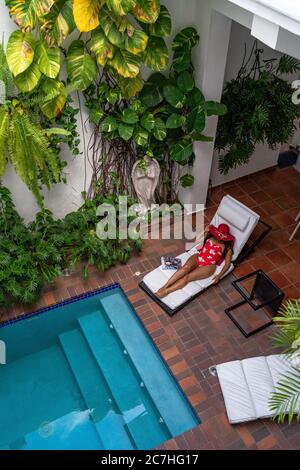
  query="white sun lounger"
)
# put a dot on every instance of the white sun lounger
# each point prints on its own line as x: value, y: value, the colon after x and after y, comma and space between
x: 242, y: 222
x: 247, y: 385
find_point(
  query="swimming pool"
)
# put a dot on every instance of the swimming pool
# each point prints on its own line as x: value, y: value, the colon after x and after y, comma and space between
x: 85, y: 374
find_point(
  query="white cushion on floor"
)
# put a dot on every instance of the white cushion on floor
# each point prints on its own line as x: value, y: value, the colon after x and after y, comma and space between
x: 238, y: 401
x: 247, y: 385
x: 260, y: 383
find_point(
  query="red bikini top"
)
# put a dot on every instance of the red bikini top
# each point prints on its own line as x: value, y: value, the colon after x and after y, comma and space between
x: 210, y: 253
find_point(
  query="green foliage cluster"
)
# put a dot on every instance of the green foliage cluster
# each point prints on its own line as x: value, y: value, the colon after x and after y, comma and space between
x: 260, y: 110
x: 121, y: 36
x: 285, y: 400
x: 166, y: 117
x: 33, y: 254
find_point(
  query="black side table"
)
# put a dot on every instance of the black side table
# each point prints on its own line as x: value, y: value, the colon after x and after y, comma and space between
x: 263, y: 293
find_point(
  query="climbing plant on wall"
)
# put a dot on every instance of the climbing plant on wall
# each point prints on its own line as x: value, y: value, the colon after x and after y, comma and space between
x: 115, y: 39
x: 162, y: 121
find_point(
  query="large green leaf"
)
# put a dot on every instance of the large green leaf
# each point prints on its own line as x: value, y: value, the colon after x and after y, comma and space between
x: 186, y: 39
x: 185, y: 82
x: 130, y: 86
x: 214, y: 108
x: 26, y: 12
x: 196, y: 119
x: 152, y: 93
x: 195, y: 98
x: 129, y: 116
x: 109, y: 124
x: 20, y: 51
x: 141, y: 137
x: 156, y: 56
x: 182, y: 152
x: 86, y: 14
x: 125, y: 131
x: 187, y: 180
x: 55, y: 95
x: 174, y: 121
x: 148, y: 121
x: 160, y: 132
x: 101, y: 46
x: 111, y: 27
x: 126, y: 64
x: 147, y: 11
x: 81, y: 67
x: 28, y: 80
x: 174, y: 96
x: 59, y: 22
x: 4, y: 121
x: 182, y: 60
x: 48, y: 59
x: 121, y: 7
x: 163, y: 26
x: 136, y: 43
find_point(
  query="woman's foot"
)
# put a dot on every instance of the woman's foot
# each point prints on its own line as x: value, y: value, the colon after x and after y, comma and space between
x: 161, y: 293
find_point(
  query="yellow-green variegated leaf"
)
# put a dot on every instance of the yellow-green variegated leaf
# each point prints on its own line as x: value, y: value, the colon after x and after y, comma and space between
x: 48, y: 59
x: 163, y: 26
x: 126, y: 64
x: 59, y: 22
x: 101, y: 46
x: 129, y: 86
x: 55, y: 96
x: 26, y: 12
x: 86, y: 14
x: 156, y: 56
x: 113, y: 28
x: 136, y: 43
x: 121, y: 7
x: 20, y: 51
x: 147, y: 11
x: 81, y: 67
x: 4, y: 121
x: 28, y: 80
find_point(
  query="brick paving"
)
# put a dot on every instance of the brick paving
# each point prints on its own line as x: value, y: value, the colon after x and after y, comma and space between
x: 201, y: 335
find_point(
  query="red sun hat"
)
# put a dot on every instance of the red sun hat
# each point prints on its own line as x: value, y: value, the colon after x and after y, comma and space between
x: 222, y: 233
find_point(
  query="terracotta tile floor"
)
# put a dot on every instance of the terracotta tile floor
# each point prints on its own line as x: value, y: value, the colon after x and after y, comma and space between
x: 201, y: 335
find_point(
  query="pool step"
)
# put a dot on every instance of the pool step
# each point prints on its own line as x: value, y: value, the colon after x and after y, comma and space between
x: 139, y: 411
x: 108, y: 420
x: 147, y: 360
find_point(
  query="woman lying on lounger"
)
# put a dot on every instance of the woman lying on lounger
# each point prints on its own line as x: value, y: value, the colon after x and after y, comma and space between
x: 216, y: 248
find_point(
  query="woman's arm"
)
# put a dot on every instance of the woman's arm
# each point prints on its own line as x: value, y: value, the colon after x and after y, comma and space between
x: 228, y: 260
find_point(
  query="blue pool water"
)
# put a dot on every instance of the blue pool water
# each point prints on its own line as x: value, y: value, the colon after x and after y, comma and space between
x: 86, y: 375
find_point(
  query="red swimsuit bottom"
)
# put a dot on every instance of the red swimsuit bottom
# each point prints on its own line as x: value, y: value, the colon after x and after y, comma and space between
x: 210, y: 254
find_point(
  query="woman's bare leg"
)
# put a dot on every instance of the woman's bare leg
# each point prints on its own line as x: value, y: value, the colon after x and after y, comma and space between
x: 188, y: 267
x: 200, y: 272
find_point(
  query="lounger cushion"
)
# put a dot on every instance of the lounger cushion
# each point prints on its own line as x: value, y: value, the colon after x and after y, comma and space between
x: 247, y: 386
x: 236, y: 218
x: 242, y: 222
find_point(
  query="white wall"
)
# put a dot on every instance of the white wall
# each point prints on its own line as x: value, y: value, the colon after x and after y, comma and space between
x: 263, y: 157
